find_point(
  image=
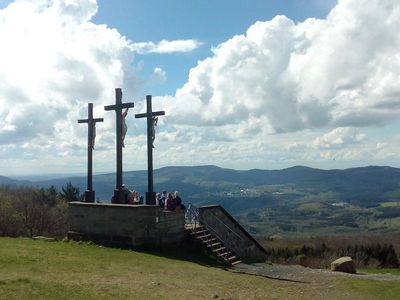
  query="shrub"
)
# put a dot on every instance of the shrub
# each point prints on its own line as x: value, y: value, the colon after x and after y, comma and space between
x: 29, y: 212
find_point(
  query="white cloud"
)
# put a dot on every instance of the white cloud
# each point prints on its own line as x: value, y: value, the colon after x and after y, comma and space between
x: 339, y: 138
x: 159, y: 75
x: 340, y: 71
x: 166, y: 46
x: 300, y: 80
x: 53, y: 61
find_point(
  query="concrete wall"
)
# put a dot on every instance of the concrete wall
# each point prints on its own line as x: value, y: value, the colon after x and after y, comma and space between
x: 232, y: 233
x: 127, y: 225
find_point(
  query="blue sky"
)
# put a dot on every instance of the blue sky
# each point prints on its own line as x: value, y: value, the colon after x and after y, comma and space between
x: 245, y: 84
x: 210, y: 22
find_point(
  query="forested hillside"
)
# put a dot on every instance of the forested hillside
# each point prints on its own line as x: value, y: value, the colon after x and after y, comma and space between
x: 297, y: 200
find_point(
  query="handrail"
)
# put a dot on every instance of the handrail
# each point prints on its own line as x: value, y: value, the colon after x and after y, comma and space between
x: 192, y: 211
x: 192, y: 217
x: 226, y: 242
x: 223, y: 223
x: 237, y: 224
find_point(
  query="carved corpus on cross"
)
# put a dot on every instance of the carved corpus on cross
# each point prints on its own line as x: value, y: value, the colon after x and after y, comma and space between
x: 120, y: 132
x: 151, y: 123
x: 89, y: 193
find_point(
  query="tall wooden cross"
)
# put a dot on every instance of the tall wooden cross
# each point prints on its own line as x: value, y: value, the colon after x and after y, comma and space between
x: 151, y: 119
x: 118, y: 106
x: 89, y: 193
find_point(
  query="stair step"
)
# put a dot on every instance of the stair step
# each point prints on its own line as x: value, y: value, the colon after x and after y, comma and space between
x: 208, y: 241
x: 198, y: 232
x: 193, y: 225
x: 203, y: 236
x: 219, y: 249
x: 236, y: 262
x: 215, y: 244
x: 231, y: 258
x: 223, y: 254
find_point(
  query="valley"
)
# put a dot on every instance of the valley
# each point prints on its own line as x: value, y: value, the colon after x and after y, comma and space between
x: 289, y: 202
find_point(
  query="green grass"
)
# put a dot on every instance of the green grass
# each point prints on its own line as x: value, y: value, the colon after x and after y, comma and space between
x: 61, y: 270
x: 381, y: 271
x: 390, y: 204
x: 384, y: 290
x: 310, y: 206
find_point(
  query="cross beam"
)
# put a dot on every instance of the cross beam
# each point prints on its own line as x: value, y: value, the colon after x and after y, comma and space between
x: 89, y: 193
x: 118, y: 106
x: 150, y: 115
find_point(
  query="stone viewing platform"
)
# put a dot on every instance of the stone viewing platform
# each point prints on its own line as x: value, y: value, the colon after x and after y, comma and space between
x: 210, y: 228
x: 163, y: 222
x: 127, y: 225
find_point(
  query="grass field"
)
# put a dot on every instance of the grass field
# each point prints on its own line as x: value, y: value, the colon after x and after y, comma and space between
x: 390, y: 204
x: 63, y: 270
x: 381, y: 271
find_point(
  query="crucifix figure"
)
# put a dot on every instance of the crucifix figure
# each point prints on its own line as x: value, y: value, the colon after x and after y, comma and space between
x: 124, y: 127
x: 120, y: 132
x: 152, y: 120
x: 93, y: 135
x: 89, y: 193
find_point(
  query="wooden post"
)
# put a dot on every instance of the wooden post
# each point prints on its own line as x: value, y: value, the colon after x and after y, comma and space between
x: 118, y: 106
x: 150, y: 115
x: 89, y: 193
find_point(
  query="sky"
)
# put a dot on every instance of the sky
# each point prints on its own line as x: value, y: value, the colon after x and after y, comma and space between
x: 244, y: 84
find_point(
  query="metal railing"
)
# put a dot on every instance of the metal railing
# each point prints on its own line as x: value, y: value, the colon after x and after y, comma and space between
x: 192, y: 217
x: 227, y: 227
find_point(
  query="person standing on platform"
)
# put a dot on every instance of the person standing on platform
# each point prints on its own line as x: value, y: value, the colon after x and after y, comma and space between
x: 178, y: 201
x: 169, y: 202
x: 158, y: 199
x: 126, y: 192
x: 163, y: 199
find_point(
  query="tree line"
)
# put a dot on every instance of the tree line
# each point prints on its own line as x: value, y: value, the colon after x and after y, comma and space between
x: 27, y: 211
x: 375, y: 255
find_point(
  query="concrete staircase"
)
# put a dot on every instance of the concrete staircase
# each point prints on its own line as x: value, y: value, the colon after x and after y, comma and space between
x: 221, y: 235
x: 213, y: 245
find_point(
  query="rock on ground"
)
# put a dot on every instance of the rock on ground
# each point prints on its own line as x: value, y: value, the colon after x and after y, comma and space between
x: 344, y: 264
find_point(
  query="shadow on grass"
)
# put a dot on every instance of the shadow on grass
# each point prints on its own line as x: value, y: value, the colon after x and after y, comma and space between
x: 188, y: 254
x: 268, y: 276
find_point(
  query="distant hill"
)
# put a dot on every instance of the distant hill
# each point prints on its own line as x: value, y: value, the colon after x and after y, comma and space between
x: 372, y: 183
x: 297, y: 200
x: 9, y: 181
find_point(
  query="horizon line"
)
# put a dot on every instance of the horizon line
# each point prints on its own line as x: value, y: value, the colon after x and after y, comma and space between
x: 81, y: 174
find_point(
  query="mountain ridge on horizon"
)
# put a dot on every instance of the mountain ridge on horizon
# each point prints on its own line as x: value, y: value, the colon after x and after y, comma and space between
x: 292, y: 200
x: 50, y: 176
x: 196, y: 182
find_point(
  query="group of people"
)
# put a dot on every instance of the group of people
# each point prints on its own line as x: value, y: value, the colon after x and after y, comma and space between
x: 130, y: 197
x: 167, y: 201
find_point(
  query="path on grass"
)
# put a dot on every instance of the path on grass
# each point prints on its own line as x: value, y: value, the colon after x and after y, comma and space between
x: 302, y: 274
